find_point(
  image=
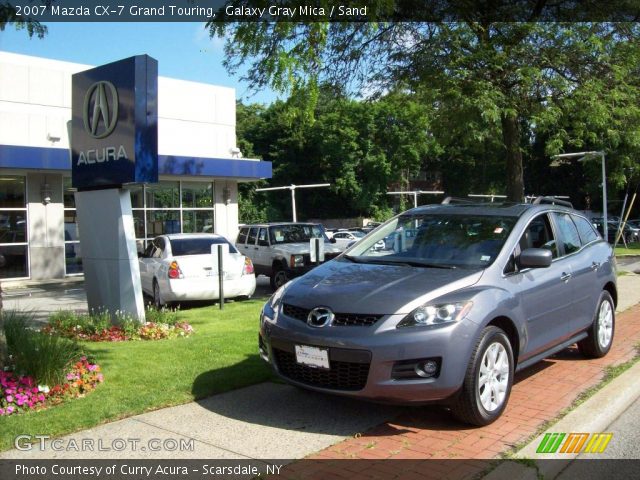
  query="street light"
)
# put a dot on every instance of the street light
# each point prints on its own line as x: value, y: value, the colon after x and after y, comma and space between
x: 415, y: 194
x: 588, y: 156
x: 293, y: 193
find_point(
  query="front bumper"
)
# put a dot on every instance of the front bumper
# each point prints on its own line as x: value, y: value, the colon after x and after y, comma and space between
x: 362, y: 359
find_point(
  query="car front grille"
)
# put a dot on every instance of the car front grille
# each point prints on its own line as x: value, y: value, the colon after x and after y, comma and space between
x: 348, y: 376
x: 340, y: 320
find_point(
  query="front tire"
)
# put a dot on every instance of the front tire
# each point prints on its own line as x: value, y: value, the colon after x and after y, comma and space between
x: 487, y: 383
x: 278, y: 278
x: 600, y: 338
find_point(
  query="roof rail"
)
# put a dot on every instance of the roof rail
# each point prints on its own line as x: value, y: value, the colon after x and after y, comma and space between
x: 552, y: 201
x: 450, y: 200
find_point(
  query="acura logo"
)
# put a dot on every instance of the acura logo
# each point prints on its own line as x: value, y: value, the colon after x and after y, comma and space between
x: 100, y: 109
x: 320, y: 317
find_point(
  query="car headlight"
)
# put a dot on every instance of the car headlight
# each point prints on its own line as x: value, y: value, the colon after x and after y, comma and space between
x: 296, y: 261
x: 436, y: 314
x: 270, y: 309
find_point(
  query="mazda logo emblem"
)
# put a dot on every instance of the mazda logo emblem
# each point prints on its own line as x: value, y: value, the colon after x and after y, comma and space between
x: 100, y: 109
x: 320, y: 317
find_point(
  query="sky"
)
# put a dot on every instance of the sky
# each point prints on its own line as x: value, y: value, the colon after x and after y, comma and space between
x: 183, y: 50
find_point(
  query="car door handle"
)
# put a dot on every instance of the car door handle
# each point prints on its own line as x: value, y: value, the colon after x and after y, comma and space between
x: 595, y: 266
x: 565, y: 277
x: 255, y: 248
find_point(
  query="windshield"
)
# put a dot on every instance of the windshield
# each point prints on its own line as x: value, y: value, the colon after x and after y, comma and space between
x: 197, y: 246
x: 436, y: 240
x: 295, y: 233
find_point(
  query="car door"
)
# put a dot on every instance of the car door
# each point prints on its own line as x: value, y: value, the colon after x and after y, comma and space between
x: 342, y: 240
x: 578, y: 240
x: 544, y: 294
x: 145, y: 267
x: 156, y: 264
x: 263, y: 250
x: 241, y: 242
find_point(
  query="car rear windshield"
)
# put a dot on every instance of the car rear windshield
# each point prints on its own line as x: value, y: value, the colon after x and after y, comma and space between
x: 437, y: 240
x: 197, y: 246
x: 295, y: 233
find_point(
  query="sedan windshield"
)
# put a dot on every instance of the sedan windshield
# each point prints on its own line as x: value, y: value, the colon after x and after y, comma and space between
x: 197, y: 246
x: 295, y: 233
x: 436, y: 240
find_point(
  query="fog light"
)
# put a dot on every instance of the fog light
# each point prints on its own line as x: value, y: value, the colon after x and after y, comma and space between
x: 427, y: 369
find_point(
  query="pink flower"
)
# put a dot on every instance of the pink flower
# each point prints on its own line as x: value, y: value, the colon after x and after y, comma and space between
x: 1, y: 411
x: 10, y: 409
x: 9, y: 399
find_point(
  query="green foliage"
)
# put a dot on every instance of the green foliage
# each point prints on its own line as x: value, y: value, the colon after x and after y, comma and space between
x: 163, y: 315
x: 8, y: 15
x: 44, y: 357
x: 496, y: 98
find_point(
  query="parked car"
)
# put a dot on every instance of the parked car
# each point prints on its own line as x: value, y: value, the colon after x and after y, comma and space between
x: 480, y: 292
x: 630, y: 232
x: 181, y: 267
x: 344, y: 238
x: 281, y: 251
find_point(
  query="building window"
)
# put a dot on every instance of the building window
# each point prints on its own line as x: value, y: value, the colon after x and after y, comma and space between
x: 14, y: 249
x: 171, y: 207
x: 72, y: 252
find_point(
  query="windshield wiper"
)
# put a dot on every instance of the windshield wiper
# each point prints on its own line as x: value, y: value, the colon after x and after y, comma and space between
x: 407, y: 263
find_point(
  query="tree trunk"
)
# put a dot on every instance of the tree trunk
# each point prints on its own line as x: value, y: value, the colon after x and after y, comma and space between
x: 511, y: 141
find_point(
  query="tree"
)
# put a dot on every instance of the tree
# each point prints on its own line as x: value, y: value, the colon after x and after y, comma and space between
x: 491, y: 77
x: 9, y: 15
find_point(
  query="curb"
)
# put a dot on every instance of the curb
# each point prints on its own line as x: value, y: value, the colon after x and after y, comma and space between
x: 588, y: 417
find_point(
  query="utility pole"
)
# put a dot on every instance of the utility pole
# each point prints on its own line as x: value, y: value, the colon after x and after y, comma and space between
x: 293, y: 187
x: 415, y: 194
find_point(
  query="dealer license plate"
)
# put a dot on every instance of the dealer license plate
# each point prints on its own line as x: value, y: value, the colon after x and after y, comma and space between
x: 312, y: 356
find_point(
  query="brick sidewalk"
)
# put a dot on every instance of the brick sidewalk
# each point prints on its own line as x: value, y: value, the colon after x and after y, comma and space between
x: 539, y: 394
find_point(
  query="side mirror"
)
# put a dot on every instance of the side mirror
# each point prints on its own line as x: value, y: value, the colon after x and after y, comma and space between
x: 535, y: 258
x: 332, y: 240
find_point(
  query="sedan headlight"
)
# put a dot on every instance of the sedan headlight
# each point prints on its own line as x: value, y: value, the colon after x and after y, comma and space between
x: 436, y: 314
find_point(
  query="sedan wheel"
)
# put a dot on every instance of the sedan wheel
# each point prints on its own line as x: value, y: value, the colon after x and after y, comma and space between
x: 487, y: 383
x: 600, y: 338
x: 157, y: 298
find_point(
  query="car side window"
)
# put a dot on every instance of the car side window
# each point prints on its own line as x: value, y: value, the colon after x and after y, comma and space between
x: 538, y: 234
x: 585, y: 229
x: 253, y: 233
x: 338, y: 235
x: 263, y: 239
x: 242, y: 236
x: 159, y: 247
x: 568, y: 233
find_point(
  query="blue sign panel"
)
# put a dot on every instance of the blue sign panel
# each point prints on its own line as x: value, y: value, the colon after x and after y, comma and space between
x: 114, y: 128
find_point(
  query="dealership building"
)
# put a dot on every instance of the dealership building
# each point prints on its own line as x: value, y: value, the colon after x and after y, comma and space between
x: 199, y: 167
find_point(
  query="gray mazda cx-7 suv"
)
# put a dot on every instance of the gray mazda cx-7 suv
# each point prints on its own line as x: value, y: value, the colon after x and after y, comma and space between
x: 461, y: 297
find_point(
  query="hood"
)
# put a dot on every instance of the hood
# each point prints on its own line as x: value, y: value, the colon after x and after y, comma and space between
x: 303, y: 247
x: 347, y: 287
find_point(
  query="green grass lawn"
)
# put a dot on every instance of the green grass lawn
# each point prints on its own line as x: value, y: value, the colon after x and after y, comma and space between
x: 147, y: 375
x: 634, y: 249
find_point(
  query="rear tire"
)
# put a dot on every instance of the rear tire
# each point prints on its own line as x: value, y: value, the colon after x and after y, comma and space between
x: 600, y: 338
x: 487, y: 383
x: 157, y: 296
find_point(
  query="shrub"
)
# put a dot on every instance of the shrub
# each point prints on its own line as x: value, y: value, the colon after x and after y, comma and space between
x: 164, y: 315
x: 44, y: 357
x: 4, y: 354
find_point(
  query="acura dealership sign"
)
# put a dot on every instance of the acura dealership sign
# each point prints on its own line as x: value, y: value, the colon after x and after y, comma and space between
x: 114, y: 130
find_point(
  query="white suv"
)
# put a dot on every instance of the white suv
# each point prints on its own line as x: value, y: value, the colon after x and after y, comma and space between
x: 281, y: 250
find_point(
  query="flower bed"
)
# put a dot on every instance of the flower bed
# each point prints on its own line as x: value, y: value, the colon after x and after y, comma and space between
x: 19, y: 394
x: 96, y: 327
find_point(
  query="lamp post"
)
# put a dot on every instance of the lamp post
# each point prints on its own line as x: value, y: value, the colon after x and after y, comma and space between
x: 293, y: 193
x: 415, y: 194
x: 588, y: 156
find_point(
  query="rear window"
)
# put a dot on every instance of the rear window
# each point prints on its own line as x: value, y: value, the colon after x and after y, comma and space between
x: 585, y: 229
x: 242, y: 236
x: 197, y: 246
